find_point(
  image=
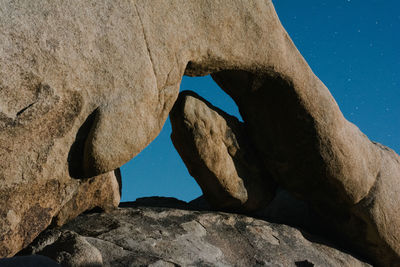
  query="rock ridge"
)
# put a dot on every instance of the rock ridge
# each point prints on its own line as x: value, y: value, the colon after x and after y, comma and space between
x: 146, y: 235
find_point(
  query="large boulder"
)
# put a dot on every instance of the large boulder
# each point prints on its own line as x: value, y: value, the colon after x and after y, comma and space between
x: 217, y: 152
x: 63, y: 68
x: 143, y: 235
x: 113, y: 68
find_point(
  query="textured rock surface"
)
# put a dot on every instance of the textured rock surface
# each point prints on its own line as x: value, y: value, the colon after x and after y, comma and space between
x: 102, y: 191
x: 63, y: 66
x: 69, y: 249
x: 107, y: 73
x: 284, y: 208
x: 156, y: 236
x: 35, y: 207
x: 320, y: 157
x: 217, y: 153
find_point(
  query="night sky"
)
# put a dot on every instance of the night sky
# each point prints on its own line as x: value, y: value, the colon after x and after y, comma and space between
x: 353, y: 46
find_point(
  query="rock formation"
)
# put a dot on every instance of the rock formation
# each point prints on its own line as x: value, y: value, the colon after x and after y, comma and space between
x: 85, y: 86
x: 217, y: 153
x: 155, y: 236
x: 317, y: 155
x: 69, y: 249
x: 53, y: 202
x: 200, y: 134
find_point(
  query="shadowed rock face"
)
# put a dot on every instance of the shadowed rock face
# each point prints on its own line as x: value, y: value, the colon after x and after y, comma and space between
x: 28, y: 261
x: 114, y: 68
x: 218, y: 154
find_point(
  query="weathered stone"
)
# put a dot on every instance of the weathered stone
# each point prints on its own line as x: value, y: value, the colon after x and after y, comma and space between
x: 34, y: 208
x: 102, y: 191
x: 320, y: 157
x: 158, y: 236
x: 202, y: 143
x: 216, y: 150
x: 118, y: 65
x: 286, y: 209
x: 68, y: 249
x: 65, y: 69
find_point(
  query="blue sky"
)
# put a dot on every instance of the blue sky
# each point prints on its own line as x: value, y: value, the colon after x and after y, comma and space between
x: 353, y: 46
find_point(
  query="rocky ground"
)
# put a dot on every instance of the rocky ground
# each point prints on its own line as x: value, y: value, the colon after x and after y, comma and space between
x: 169, y: 232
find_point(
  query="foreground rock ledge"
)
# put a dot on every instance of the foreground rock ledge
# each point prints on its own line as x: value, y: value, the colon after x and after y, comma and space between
x: 160, y: 236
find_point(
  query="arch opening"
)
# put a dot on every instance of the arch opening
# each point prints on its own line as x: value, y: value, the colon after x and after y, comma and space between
x: 158, y: 170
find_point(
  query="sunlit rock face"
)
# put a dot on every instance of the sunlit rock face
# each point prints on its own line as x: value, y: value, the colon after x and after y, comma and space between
x: 219, y: 155
x: 86, y: 86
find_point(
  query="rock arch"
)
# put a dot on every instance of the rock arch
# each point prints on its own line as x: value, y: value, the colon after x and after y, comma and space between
x: 125, y: 59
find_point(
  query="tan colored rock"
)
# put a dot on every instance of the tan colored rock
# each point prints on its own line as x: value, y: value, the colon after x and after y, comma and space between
x: 216, y: 150
x: 103, y: 191
x: 122, y: 62
x: 52, y: 69
x: 56, y: 202
x: 320, y: 157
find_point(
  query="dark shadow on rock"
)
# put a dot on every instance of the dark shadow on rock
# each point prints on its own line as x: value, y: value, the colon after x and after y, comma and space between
x: 76, y: 153
x: 198, y: 204
x: 289, y: 210
x: 28, y: 261
x: 326, y: 236
x: 118, y: 176
x: 156, y: 202
x: 304, y: 263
